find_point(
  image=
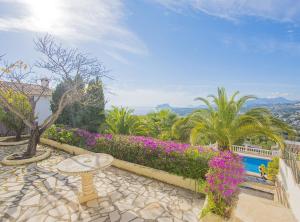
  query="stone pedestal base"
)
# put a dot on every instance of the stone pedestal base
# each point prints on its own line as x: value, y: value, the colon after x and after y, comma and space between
x: 88, y: 189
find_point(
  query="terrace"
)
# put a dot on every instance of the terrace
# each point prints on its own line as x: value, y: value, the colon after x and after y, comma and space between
x: 37, y: 192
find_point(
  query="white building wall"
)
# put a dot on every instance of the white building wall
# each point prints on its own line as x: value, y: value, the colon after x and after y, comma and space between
x: 42, y: 109
x: 291, y: 187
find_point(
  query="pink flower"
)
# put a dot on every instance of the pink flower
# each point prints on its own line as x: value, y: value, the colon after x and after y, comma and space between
x: 225, y: 174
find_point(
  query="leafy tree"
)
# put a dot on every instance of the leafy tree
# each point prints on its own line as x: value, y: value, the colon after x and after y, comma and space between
x: 88, y: 114
x: 122, y: 121
x: 223, y: 122
x: 9, y: 119
x: 182, y: 128
x: 92, y: 115
x: 68, y: 115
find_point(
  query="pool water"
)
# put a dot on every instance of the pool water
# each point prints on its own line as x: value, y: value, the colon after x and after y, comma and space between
x: 252, y: 163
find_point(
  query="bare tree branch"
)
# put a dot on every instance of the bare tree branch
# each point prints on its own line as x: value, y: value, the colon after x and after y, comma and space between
x: 65, y: 65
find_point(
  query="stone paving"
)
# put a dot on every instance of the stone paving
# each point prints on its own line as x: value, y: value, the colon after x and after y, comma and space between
x: 252, y: 208
x: 37, y: 192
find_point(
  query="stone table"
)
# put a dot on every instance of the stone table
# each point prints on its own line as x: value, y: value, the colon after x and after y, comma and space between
x: 85, y: 166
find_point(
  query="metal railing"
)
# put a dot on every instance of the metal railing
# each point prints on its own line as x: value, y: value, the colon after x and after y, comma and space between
x: 255, y: 150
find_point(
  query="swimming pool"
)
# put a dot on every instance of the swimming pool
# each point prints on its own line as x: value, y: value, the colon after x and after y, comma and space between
x: 252, y: 163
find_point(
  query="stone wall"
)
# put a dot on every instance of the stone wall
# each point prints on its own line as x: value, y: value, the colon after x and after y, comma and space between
x: 291, y: 188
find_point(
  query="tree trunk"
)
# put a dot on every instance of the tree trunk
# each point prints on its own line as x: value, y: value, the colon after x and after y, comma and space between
x: 34, y: 139
x: 223, y: 147
x: 18, y: 135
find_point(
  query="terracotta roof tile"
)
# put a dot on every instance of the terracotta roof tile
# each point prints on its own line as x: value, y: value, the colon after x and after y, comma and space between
x: 29, y: 89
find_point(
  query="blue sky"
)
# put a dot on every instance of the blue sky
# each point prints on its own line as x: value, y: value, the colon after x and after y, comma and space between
x: 165, y: 51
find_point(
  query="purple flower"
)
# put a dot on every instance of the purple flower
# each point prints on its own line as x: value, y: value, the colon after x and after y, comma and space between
x: 89, y: 138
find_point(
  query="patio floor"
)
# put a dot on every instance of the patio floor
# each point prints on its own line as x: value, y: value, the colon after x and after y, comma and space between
x: 253, y: 208
x: 37, y: 192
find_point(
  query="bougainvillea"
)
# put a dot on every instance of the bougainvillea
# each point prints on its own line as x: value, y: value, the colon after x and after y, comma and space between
x: 147, y: 142
x: 90, y: 138
x: 225, y: 174
x: 167, y: 146
x: 170, y: 156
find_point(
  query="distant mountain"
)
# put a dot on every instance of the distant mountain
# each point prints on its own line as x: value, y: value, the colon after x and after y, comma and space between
x: 269, y: 102
x: 163, y: 106
x: 265, y: 102
x: 181, y: 111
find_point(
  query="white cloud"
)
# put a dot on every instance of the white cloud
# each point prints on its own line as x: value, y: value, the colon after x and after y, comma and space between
x: 117, y: 56
x: 281, y: 10
x: 74, y: 20
x: 262, y: 45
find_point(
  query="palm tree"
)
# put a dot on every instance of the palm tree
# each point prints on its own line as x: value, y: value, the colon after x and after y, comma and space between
x: 159, y: 123
x: 122, y: 121
x: 224, y: 123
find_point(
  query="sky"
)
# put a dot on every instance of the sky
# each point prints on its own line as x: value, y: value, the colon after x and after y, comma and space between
x: 168, y: 51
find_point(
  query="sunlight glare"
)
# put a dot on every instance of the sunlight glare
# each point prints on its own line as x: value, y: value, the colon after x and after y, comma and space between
x: 45, y: 14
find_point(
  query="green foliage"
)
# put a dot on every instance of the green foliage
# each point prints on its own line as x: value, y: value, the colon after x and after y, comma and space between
x: 88, y: 115
x: 224, y: 123
x: 261, y: 141
x: 22, y: 105
x: 155, y: 124
x: 182, y: 128
x: 122, y: 121
x: 202, y: 186
x: 69, y: 116
x: 273, y: 169
x: 51, y: 133
x: 217, y: 207
x: 159, y: 124
x: 92, y: 115
x: 61, y: 135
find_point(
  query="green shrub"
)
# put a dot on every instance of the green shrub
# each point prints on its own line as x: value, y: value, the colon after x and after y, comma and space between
x: 61, y: 135
x: 51, y: 133
x: 219, y: 208
x: 273, y: 169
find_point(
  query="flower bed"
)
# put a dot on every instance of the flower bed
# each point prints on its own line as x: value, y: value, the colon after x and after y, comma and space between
x: 177, y: 158
x: 225, y: 175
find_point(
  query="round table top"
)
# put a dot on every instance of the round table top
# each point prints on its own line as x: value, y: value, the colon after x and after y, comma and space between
x: 85, y: 163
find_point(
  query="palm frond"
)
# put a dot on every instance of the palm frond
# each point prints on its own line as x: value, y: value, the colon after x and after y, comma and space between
x: 226, y: 124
